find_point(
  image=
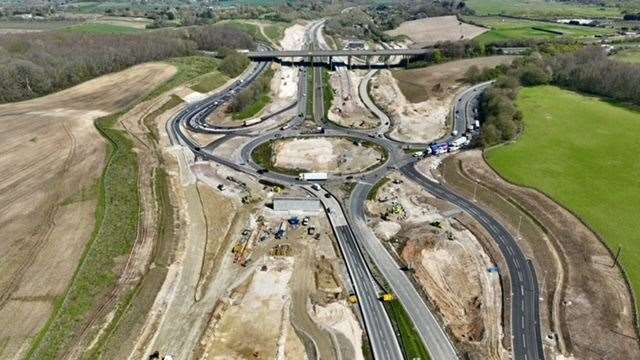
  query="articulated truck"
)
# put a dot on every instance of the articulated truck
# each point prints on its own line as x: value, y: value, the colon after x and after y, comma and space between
x: 313, y: 176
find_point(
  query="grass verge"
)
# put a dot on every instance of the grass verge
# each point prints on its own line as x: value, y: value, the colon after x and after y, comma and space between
x: 132, y: 310
x: 583, y: 152
x: 117, y: 219
x: 327, y: 91
x: 373, y: 193
x: 410, y: 341
x: 253, y: 109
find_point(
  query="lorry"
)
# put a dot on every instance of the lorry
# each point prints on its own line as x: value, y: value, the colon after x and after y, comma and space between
x: 477, y: 124
x: 437, y: 149
x: 458, y: 142
x: 310, y: 176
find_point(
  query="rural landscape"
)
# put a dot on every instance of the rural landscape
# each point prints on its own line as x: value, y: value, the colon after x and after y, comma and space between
x: 320, y: 179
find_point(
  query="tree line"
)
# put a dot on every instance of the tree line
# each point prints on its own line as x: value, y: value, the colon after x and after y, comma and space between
x: 36, y: 64
x: 586, y: 70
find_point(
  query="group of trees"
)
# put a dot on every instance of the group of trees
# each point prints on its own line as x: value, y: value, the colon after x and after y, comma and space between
x: 590, y: 70
x: 502, y: 120
x: 36, y: 64
x: 252, y: 94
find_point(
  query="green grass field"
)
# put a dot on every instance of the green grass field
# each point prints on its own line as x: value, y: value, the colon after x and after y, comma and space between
x: 518, y: 29
x: 101, y: 28
x: 628, y: 55
x: 583, y: 152
x: 540, y: 9
x: 209, y: 82
x: 189, y: 68
x: 409, y: 338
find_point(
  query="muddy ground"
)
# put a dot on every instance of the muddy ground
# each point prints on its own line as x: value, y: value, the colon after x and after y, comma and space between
x: 53, y: 156
x: 580, y: 289
x: 447, y: 260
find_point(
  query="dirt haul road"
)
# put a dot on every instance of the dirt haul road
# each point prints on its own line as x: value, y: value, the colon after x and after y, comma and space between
x: 52, y: 158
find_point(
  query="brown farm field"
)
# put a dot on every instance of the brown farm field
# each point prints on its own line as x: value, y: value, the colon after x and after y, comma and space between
x: 419, y: 85
x: 428, y: 31
x: 52, y: 158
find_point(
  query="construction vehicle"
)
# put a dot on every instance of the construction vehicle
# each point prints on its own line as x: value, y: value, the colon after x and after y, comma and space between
x: 353, y: 299
x: 313, y: 176
x: 282, y: 230
x: 387, y: 297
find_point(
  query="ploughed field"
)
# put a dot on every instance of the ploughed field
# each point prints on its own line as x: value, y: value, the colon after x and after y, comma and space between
x: 583, y: 152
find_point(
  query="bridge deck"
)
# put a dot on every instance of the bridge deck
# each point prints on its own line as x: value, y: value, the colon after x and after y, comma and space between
x: 322, y: 53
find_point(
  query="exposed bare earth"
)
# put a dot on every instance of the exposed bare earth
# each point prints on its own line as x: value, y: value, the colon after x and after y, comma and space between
x: 581, y: 291
x: 428, y: 31
x: 439, y: 81
x: 51, y: 151
x: 449, y: 263
x: 419, y: 123
x: 347, y: 109
x: 329, y: 154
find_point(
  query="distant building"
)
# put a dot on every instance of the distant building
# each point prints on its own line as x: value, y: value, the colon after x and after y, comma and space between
x: 297, y: 204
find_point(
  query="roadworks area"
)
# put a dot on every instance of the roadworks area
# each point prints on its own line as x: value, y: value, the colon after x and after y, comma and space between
x: 446, y: 259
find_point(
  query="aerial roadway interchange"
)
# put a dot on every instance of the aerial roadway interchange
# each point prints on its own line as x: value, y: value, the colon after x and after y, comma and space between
x: 356, y: 240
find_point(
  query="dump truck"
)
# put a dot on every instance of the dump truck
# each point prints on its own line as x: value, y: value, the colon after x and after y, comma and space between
x: 353, y: 299
x: 387, y: 297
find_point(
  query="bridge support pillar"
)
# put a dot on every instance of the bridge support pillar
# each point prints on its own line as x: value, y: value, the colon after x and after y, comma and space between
x: 368, y: 59
x: 311, y: 60
x: 330, y: 62
x: 349, y: 62
x: 406, y: 61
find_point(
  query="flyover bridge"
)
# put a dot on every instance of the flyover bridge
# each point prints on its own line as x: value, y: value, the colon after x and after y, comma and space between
x: 312, y: 56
